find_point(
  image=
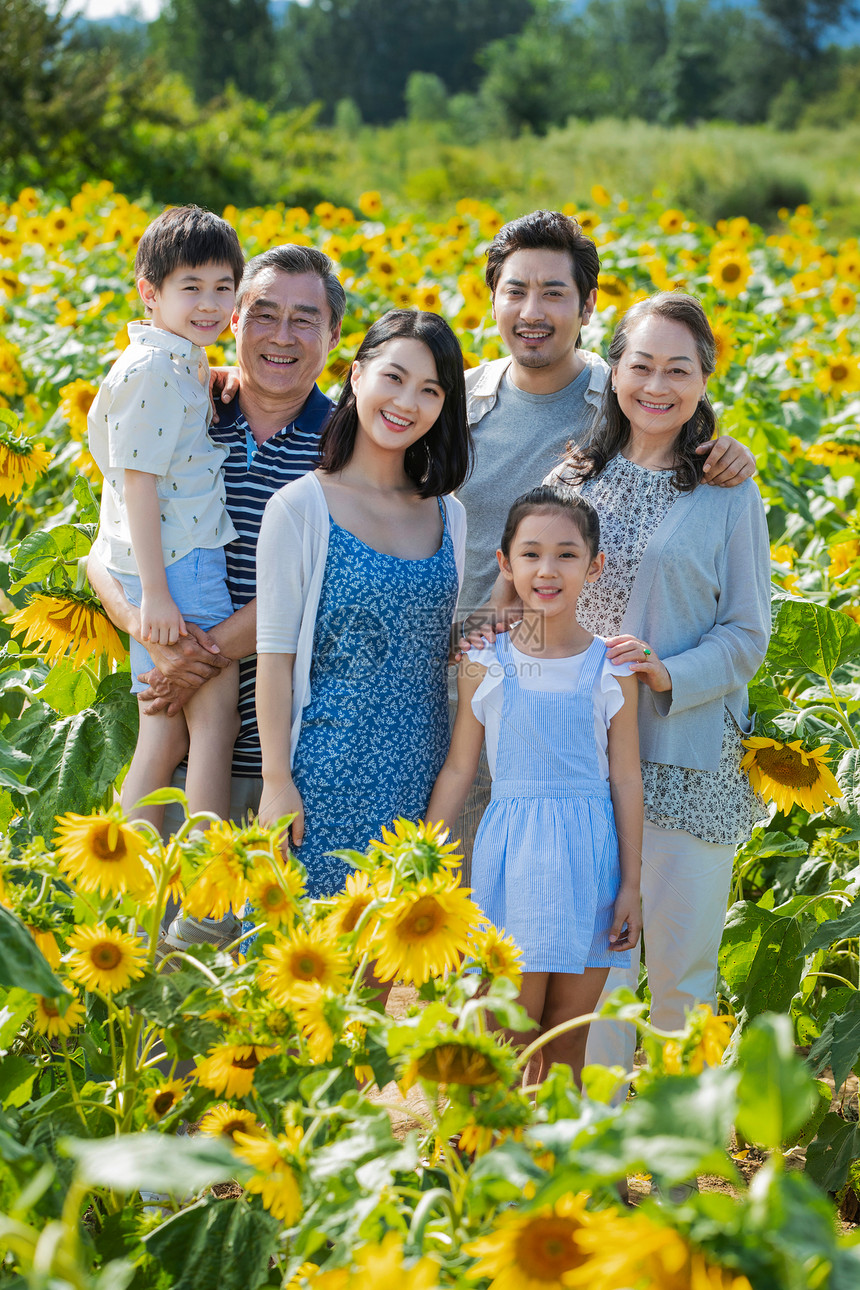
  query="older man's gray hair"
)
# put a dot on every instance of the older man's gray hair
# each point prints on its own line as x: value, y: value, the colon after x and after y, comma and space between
x: 297, y: 259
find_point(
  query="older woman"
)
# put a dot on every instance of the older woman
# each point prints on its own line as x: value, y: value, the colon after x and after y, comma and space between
x: 684, y: 599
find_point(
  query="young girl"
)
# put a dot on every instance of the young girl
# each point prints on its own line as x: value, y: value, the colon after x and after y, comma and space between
x: 358, y: 572
x: 557, y: 856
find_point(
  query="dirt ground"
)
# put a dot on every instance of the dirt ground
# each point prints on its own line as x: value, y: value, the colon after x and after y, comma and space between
x: 748, y: 1161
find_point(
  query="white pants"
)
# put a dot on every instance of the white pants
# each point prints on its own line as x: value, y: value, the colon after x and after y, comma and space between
x: 685, y: 889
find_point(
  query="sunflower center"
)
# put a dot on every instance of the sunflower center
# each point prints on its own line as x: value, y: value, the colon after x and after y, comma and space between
x: 106, y: 955
x: 425, y: 918
x: 163, y: 1102
x: 545, y: 1248
x: 457, y: 1064
x: 354, y: 913
x: 785, y: 766
x: 50, y: 1009
x: 107, y: 842
x: 274, y: 897
x: 838, y: 372
x: 307, y: 966
x: 731, y: 272
x: 248, y: 1063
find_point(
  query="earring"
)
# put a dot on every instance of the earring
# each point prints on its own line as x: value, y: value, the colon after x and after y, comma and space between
x: 615, y: 389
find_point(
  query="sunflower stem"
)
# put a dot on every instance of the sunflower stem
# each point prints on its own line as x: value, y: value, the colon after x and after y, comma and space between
x: 73, y: 1088
x: 840, y: 715
x: 424, y: 1209
x: 832, y: 976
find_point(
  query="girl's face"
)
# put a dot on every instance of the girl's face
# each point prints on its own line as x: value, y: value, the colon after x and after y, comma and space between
x: 398, y: 395
x: 659, y: 379
x: 550, y: 562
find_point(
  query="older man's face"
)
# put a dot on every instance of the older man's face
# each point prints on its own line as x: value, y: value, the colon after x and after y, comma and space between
x: 283, y: 335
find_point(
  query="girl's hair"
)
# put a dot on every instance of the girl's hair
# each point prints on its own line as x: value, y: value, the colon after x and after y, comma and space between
x: 551, y: 498
x: 441, y: 459
x: 612, y: 426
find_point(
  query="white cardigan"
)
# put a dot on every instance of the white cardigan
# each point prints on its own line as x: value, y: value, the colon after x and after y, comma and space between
x: 291, y: 557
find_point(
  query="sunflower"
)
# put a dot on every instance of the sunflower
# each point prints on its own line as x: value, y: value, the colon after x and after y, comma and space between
x: 101, y: 853
x: 498, y: 955
x: 348, y: 908
x: 843, y: 555
x: 416, y: 850
x: 226, y: 864
x: 312, y: 1011
x: 725, y: 341
x: 161, y: 1100
x: 275, y: 893
x: 229, y: 1068
x: 611, y: 291
x: 47, y: 943
x: 730, y: 270
x: 21, y: 462
x: 105, y: 959
x: 541, y: 1250
x: 424, y: 932
x: 275, y: 1181
x: 783, y: 555
x: 68, y: 622
x: 226, y: 1121
x: 672, y: 221
x: 840, y: 376
x: 473, y: 1061
x: 834, y: 452
x: 428, y: 298
x: 305, y: 957
x: 383, y: 1267
x: 786, y: 773
x: 47, y: 1019
x: 843, y: 301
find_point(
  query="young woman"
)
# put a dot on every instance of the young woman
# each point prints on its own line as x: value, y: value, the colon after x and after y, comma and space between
x: 358, y: 571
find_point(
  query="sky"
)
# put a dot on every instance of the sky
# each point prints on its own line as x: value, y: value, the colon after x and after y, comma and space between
x: 108, y: 8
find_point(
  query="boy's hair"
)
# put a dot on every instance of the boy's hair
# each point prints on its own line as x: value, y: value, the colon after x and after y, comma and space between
x: 548, y: 497
x: 547, y: 231
x: 293, y: 259
x: 440, y: 460
x: 185, y: 237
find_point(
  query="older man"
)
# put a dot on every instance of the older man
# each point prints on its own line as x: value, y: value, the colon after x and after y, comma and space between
x: 289, y: 309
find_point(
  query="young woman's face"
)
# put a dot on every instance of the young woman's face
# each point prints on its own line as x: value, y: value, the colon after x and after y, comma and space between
x: 659, y: 379
x: 398, y: 395
x: 550, y: 562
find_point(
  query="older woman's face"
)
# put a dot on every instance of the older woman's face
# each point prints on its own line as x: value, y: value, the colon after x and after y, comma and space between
x: 659, y: 379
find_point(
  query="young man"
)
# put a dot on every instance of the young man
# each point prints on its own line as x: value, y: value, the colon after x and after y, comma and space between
x: 523, y: 410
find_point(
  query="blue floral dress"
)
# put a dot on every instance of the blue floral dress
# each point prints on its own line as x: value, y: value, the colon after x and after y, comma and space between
x: 375, y: 733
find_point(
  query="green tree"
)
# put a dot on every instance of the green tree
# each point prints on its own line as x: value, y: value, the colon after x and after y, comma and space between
x: 367, y: 49
x: 62, y: 105
x: 213, y: 43
x: 806, y: 26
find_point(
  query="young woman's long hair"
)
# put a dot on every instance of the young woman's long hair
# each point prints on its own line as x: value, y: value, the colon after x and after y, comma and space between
x: 441, y: 459
x: 612, y: 429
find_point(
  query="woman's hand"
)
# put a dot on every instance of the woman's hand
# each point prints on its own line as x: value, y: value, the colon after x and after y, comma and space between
x: 627, y: 918
x: 280, y: 799
x: 642, y: 660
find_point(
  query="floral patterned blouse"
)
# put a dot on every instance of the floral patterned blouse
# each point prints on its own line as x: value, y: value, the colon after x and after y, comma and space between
x: 716, y: 806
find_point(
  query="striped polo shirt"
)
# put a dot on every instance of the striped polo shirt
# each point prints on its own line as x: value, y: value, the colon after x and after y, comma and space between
x: 251, y: 475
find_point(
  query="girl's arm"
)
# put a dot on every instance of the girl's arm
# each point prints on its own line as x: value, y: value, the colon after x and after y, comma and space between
x: 457, y: 774
x: 625, y: 786
x: 274, y: 717
x: 160, y: 619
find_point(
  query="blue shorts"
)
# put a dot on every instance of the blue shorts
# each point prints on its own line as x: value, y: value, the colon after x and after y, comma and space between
x: 198, y: 584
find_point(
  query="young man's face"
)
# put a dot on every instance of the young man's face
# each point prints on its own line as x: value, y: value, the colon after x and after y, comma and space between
x: 283, y: 333
x: 537, y: 307
x: 193, y: 303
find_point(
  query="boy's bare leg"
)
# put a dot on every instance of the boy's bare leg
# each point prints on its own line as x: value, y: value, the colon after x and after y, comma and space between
x: 162, y: 742
x: 213, y: 724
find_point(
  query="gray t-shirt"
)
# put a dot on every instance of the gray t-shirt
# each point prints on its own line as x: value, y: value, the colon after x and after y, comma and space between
x: 517, y: 443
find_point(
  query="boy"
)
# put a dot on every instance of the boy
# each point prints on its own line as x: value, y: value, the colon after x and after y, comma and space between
x: 163, y: 523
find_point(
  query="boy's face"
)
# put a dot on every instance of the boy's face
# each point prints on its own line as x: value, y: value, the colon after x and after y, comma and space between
x: 193, y: 303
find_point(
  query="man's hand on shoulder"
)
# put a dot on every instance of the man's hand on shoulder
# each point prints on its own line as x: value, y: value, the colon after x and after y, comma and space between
x: 728, y: 462
x: 223, y: 385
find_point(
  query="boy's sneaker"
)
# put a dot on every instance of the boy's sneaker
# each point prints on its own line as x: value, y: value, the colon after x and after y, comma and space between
x: 185, y: 932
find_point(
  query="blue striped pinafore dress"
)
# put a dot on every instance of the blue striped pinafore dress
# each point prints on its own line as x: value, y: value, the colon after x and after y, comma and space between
x: 545, y: 865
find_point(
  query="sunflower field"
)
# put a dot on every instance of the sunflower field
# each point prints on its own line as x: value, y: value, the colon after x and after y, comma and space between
x: 197, y: 1121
